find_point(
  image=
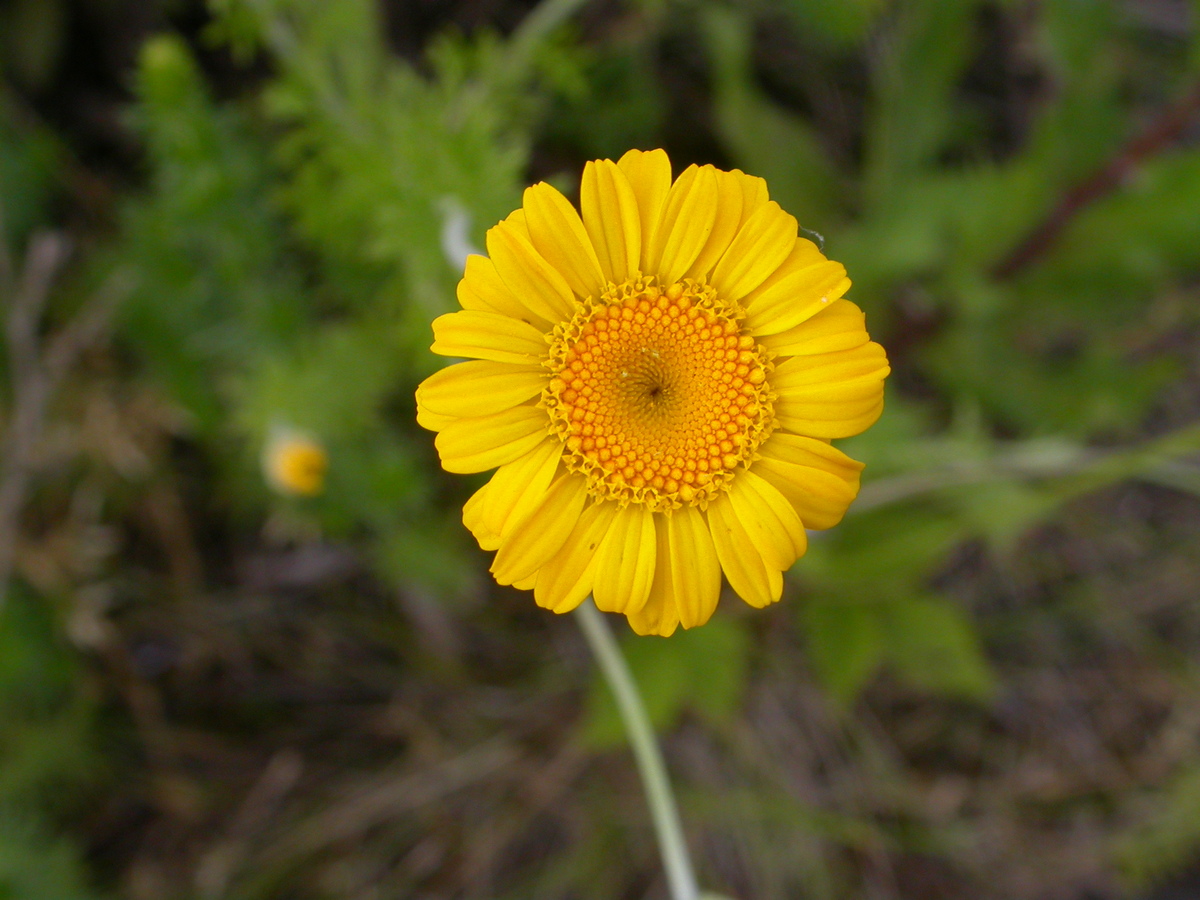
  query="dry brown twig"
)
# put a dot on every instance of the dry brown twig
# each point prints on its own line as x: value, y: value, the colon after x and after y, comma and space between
x: 1162, y: 131
x: 37, y: 367
x: 220, y: 863
x: 377, y: 800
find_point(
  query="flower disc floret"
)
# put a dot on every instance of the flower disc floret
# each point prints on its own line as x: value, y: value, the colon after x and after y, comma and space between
x: 657, y: 394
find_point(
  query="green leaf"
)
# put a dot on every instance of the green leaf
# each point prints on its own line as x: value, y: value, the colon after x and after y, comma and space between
x: 844, y: 23
x: 30, y: 173
x: 36, y: 669
x: 1002, y: 511
x: 1166, y: 840
x: 845, y: 644
x: 764, y: 138
x: 332, y: 381
x: 883, y: 554
x: 216, y: 283
x: 933, y: 645
x: 430, y: 555
x: 46, y: 739
x: 914, y: 107
x: 34, y: 865
x: 621, y: 106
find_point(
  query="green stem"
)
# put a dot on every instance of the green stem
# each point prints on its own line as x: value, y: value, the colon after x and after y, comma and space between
x: 655, y: 783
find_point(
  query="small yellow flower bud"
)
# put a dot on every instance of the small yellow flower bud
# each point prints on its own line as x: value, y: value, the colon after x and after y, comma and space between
x: 295, y: 463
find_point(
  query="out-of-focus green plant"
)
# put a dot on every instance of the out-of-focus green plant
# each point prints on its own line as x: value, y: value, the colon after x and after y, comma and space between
x: 47, y: 744
x: 289, y: 251
x: 1167, y: 838
x: 294, y: 250
x: 932, y: 213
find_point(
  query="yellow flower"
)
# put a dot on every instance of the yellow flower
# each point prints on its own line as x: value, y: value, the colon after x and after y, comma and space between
x: 656, y: 384
x: 294, y: 463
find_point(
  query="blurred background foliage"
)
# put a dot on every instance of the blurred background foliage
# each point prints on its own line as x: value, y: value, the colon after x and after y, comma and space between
x: 229, y: 222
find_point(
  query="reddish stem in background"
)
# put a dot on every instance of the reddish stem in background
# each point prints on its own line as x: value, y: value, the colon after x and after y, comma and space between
x: 1162, y: 131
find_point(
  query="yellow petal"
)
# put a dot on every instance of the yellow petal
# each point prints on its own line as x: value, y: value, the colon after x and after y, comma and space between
x: 625, y: 561
x: 725, y: 225
x: 484, y: 442
x: 565, y: 580
x: 472, y: 517
x: 819, y: 480
x: 649, y: 175
x: 803, y: 293
x: 610, y: 214
x: 534, y: 540
x: 749, y: 575
x: 687, y: 577
x: 433, y: 421
x: 482, y: 288
x: 687, y: 221
x: 769, y: 519
x: 519, y: 486
x: 480, y: 388
x: 485, y: 335
x: 841, y: 325
x: 696, y: 571
x: 516, y: 219
x: 830, y: 395
x: 558, y: 234
x: 528, y: 275
x: 804, y: 255
x: 754, y: 194
x: 818, y: 373
x: 760, y: 248
x: 654, y: 618
x: 659, y: 615
x: 836, y: 419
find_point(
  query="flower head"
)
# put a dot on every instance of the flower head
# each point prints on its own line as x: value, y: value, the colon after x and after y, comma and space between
x: 656, y: 383
x: 294, y: 463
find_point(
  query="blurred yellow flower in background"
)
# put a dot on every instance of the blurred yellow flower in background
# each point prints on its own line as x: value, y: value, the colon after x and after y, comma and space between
x: 294, y: 463
x: 656, y: 383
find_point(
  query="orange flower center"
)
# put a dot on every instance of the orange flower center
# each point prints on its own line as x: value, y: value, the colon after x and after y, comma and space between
x: 657, y: 394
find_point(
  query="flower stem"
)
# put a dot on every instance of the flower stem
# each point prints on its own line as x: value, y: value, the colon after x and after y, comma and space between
x: 655, y: 783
